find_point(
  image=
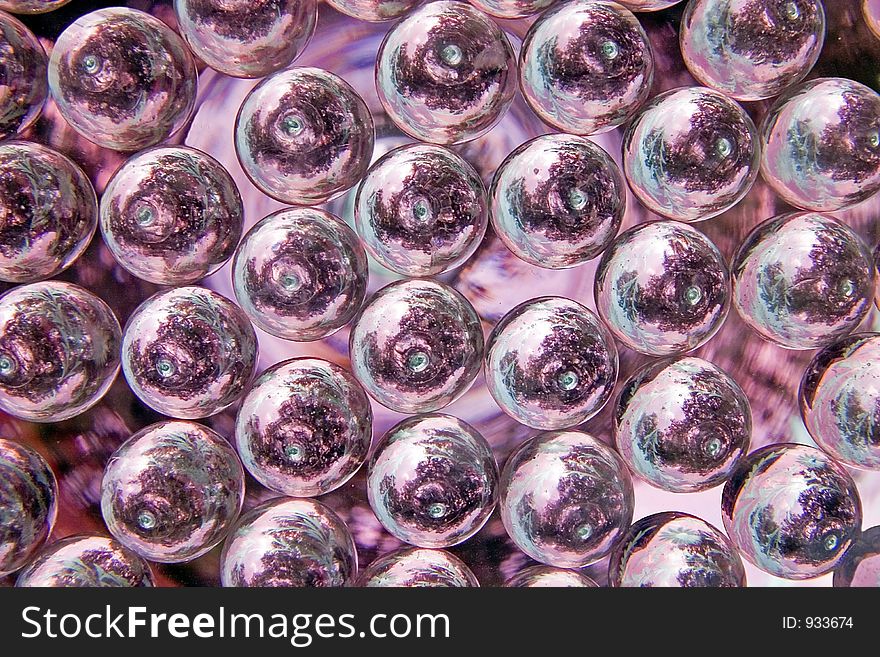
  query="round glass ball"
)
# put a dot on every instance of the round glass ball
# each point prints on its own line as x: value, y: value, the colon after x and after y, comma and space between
x: 417, y: 568
x: 31, y: 6
x: 373, y: 10
x: 23, y: 66
x: 549, y: 577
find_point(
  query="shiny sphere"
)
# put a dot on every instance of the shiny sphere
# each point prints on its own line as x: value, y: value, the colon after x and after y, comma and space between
x: 247, y: 38
x: 289, y: 543
x: 791, y: 510
x: 860, y: 566
x: 188, y: 352
x: 511, y: 8
x: 675, y: 550
x: 432, y: 481
x: 871, y: 13
x: 23, y: 80
x: 752, y: 49
x: 822, y: 145
x: 549, y: 577
x: 304, y: 136
x: 171, y: 215
x: 681, y: 425
x: 59, y: 351
x: 304, y: 428
x: 31, y: 6
x: 586, y: 67
x: 551, y: 363
x: 557, y: 201
x: 446, y: 73
x: 172, y: 491
x: 691, y: 154
x: 421, y: 210
x: 373, y: 10
x: 418, y: 567
x: 417, y: 346
x: 86, y: 561
x: 647, y: 5
x: 28, y: 504
x: 840, y: 400
x: 48, y: 212
x: 123, y: 79
x: 663, y: 288
x: 300, y: 274
x: 566, y: 498
x: 802, y: 280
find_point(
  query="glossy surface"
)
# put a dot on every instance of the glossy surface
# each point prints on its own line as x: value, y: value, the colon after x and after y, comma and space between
x: 59, y: 351
x: 188, y: 352
x: 418, y: 567
x: 289, y: 543
x: 860, y: 566
x: 662, y: 288
x: 675, y: 550
x: 171, y: 215
x: 822, y: 144
x: 247, y: 38
x: 304, y: 428
x: 373, y: 10
x: 417, y: 346
x: 557, y: 201
x: 48, y: 212
x: 791, y: 510
x: 586, y: 67
x: 549, y: 577
x: 172, y: 491
x: 421, y: 210
x: 691, y: 154
x: 566, y: 498
x: 23, y: 65
x: 511, y: 8
x: 300, y: 274
x: 432, y: 481
x: 802, y: 280
x: 551, y: 363
x: 446, y: 73
x: 122, y: 79
x: 28, y: 504
x: 86, y: 561
x: 31, y: 6
x: 840, y: 400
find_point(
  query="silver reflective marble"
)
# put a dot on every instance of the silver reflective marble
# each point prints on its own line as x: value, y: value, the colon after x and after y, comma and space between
x: 417, y: 568
x: 23, y: 65
x: 549, y: 577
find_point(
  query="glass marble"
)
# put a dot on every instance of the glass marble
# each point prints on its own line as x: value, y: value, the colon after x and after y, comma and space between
x: 551, y: 363
x: 123, y: 79
x: 304, y: 136
x: 511, y: 8
x: 871, y: 13
x: 421, y: 210
x: 373, y: 10
x: 691, y: 154
x: 557, y: 201
x: 432, y: 481
x: 586, y: 67
x: 171, y: 215
x: 446, y: 73
x: 86, y: 561
x: 59, y: 351
x: 647, y: 5
x: 23, y: 80
x: 31, y: 6
x: 28, y: 504
x: 247, y: 38
x: 802, y: 280
x: 188, y: 352
x: 860, y: 566
x: 681, y: 425
x: 48, y: 212
x: 675, y: 550
x: 549, y: 577
x: 663, y: 288
x: 172, y: 491
x: 566, y: 498
x: 822, y: 145
x: 418, y: 568
x: 417, y: 346
x: 304, y: 428
x: 840, y: 400
x: 752, y: 49
x: 289, y: 543
x: 300, y: 274
x: 791, y: 510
